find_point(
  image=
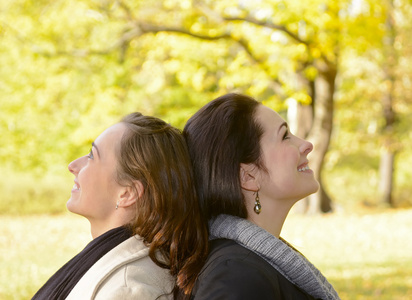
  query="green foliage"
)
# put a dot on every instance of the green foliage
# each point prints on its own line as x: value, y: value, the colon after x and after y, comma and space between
x: 70, y: 69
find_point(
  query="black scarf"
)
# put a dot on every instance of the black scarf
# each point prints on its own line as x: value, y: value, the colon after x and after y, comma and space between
x: 62, y: 282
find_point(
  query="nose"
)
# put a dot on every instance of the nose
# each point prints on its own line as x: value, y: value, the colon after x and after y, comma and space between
x: 75, y: 166
x: 306, y: 147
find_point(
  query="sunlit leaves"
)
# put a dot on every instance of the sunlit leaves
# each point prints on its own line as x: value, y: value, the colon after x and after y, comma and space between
x: 69, y: 69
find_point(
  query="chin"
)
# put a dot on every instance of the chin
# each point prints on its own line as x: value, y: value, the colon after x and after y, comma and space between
x: 311, y: 189
x: 316, y: 186
x: 71, y: 206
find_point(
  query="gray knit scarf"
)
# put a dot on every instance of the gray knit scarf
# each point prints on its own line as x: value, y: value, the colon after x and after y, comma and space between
x: 290, y: 263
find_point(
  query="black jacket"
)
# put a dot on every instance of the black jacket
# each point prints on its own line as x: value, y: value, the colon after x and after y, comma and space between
x: 233, y: 272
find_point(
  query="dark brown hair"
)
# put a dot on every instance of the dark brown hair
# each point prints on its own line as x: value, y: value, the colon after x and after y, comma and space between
x: 220, y: 136
x: 167, y: 214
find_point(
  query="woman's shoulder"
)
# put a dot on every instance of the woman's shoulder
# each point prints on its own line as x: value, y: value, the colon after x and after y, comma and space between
x: 229, y: 252
x: 229, y: 256
x: 137, y: 276
x: 235, y: 272
x: 125, y: 273
x: 141, y: 278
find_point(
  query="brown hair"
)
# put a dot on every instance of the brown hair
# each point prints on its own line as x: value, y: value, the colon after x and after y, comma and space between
x: 220, y: 136
x: 167, y: 214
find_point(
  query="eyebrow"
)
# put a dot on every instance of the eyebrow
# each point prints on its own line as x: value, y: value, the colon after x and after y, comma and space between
x: 97, y: 149
x: 283, y: 124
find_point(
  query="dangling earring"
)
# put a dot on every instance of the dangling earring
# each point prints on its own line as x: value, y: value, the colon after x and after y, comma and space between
x: 258, y: 207
x: 117, y: 205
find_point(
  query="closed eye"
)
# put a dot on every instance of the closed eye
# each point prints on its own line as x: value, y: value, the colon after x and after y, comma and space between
x: 286, y: 135
x: 90, y: 155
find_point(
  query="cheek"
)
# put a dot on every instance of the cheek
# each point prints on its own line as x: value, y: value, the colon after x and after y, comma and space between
x: 84, y: 180
x: 281, y: 160
x: 109, y: 180
x: 290, y: 160
x: 282, y: 167
x: 90, y: 183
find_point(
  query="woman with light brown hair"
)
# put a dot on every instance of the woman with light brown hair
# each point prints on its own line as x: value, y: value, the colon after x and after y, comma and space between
x: 135, y: 188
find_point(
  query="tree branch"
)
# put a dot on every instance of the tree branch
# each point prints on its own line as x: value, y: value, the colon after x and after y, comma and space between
x: 150, y: 28
x: 268, y: 25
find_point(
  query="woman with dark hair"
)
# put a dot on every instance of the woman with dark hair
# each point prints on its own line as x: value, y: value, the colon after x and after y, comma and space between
x: 135, y: 187
x: 249, y: 171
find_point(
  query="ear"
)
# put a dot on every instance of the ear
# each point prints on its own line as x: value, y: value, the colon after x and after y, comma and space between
x: 248, y: 177
x: 130, y: 194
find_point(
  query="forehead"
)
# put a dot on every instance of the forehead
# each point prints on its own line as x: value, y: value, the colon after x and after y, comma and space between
x: 110, y: 139
x: 268, y: 118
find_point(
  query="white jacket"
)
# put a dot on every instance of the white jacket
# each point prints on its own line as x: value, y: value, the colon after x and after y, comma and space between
x: 125, y: 272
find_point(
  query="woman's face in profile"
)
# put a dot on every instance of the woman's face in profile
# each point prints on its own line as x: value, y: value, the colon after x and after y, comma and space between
x: 95, y: 191
x: 284, y: 155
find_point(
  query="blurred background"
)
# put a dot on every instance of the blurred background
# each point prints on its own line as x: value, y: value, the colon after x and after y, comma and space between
x: 340, y: 72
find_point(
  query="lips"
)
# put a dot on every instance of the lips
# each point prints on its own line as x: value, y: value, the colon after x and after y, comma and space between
x: 303, y: 167
x: 76, y: 186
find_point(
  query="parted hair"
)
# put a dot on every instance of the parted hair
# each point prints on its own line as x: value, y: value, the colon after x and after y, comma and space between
x: 167, y: 214
x: 220, y: 136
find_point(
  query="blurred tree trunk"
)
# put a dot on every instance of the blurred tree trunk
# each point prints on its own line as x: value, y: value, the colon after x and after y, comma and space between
x: 315, y: 123
x: 321, y: 131
x: 387, y: 160
x: 300, y: 115
x: 300, y: 120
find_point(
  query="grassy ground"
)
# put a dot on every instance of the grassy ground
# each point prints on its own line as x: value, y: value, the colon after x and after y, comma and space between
x: 32, y: 248
x: 365, y: 256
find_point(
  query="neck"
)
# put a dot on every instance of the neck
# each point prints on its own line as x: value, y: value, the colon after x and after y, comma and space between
x: 120, y: 218
x: 97, y: 229
x: 272, y: 216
